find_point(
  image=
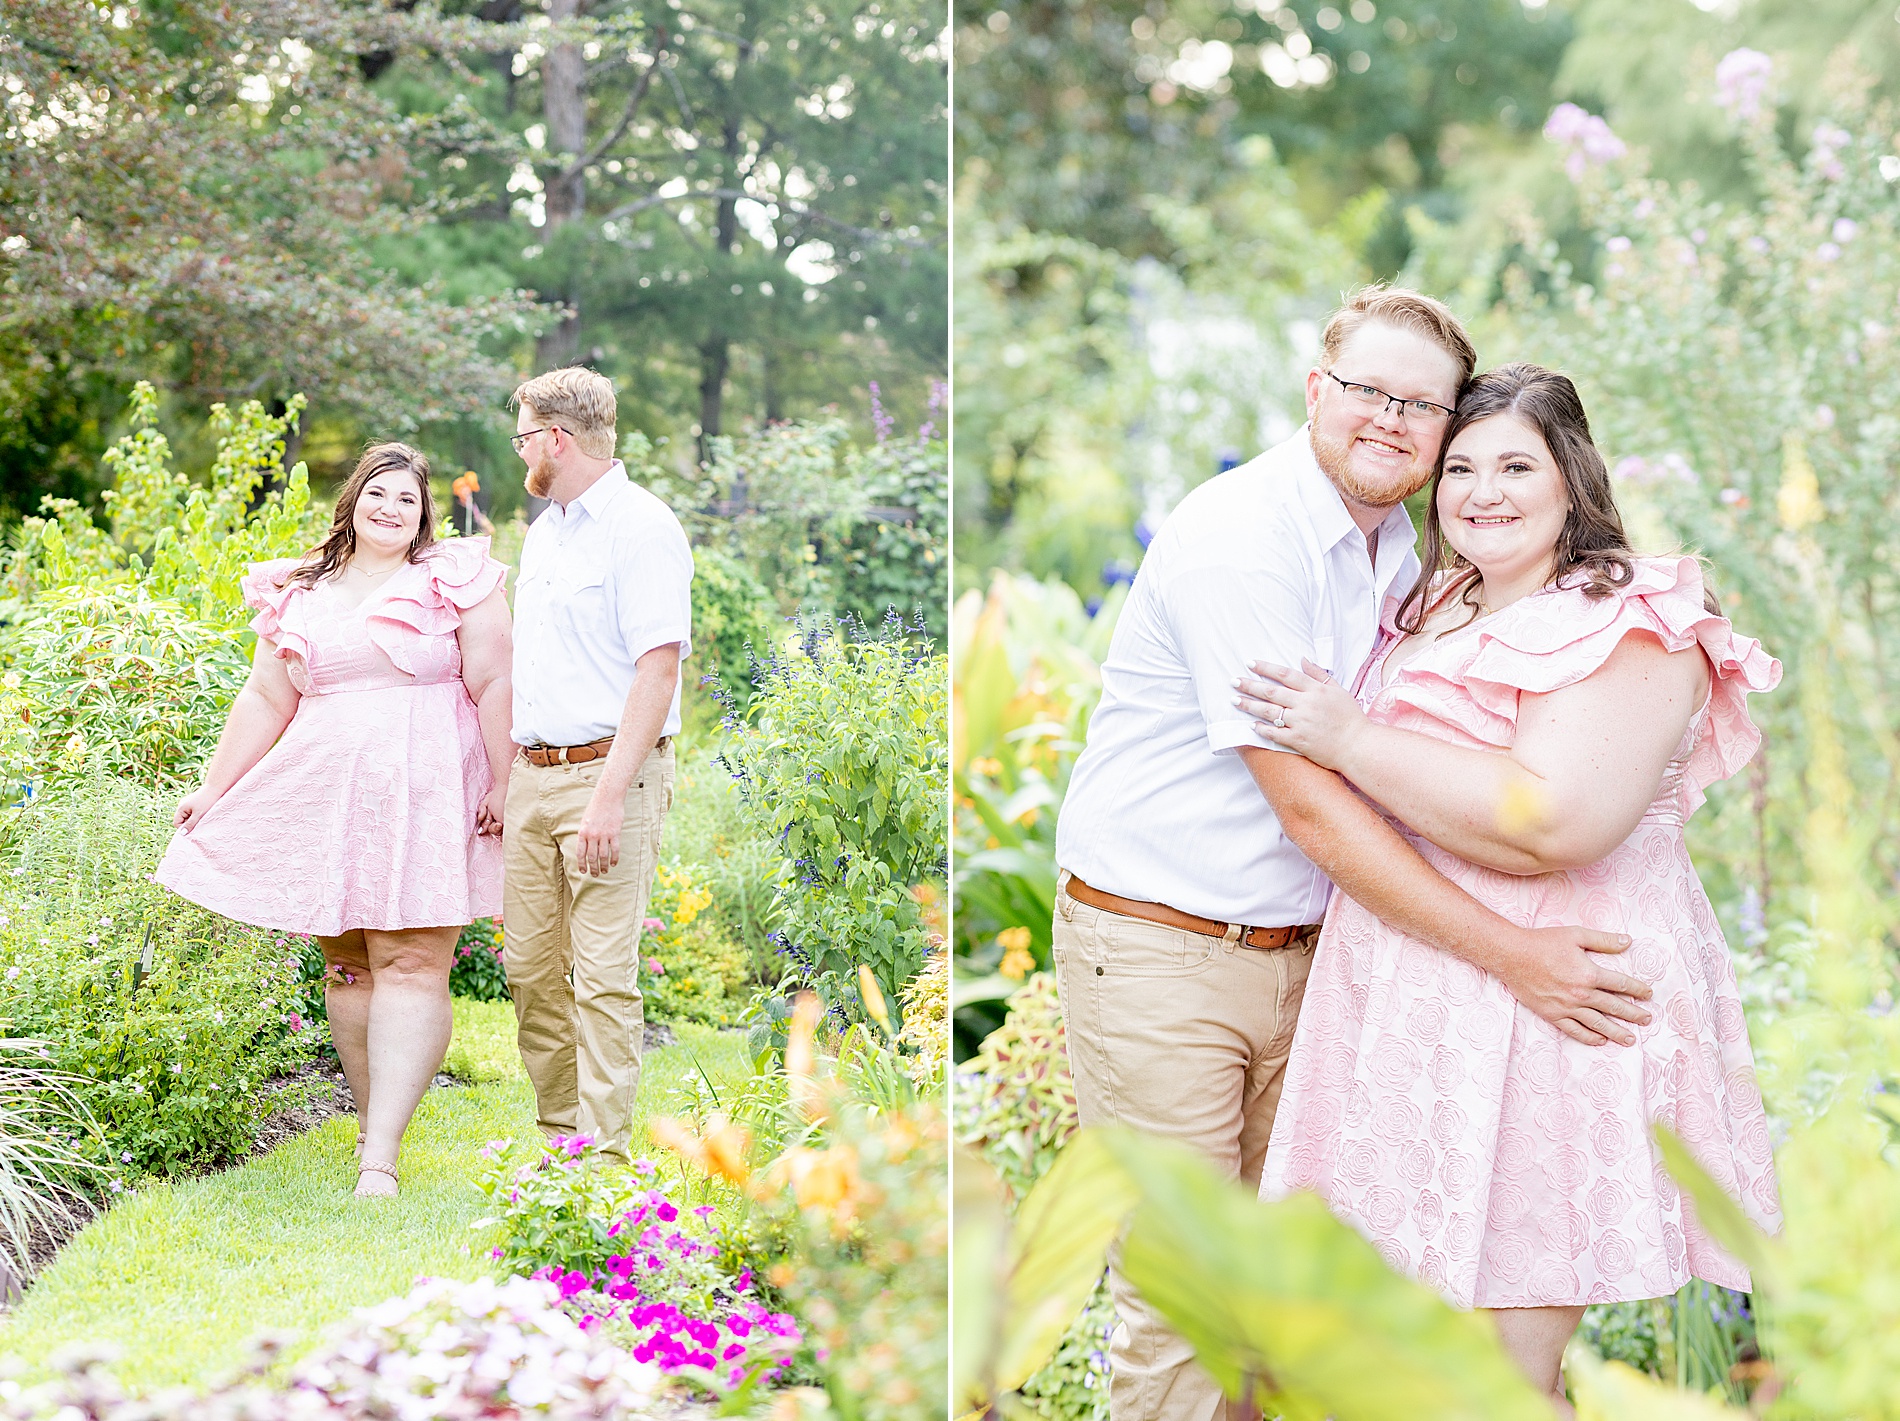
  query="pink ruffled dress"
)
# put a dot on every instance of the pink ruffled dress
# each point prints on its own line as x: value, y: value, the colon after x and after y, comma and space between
x: 1478, y: 1148
x: 362, y: 815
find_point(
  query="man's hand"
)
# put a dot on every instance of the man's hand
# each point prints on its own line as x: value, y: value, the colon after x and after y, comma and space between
x: 1562, y: 975
x: 488, y: 815
x: 598, y: 844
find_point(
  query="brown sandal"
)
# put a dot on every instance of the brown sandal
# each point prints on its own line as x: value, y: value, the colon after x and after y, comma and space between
x: 370, y: 1166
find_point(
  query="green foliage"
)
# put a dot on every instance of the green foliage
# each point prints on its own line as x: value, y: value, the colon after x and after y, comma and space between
x: 735, y: 622
x: 1739, y: 381
x: 1027, y: 679
x: 1015, y: 1100
x: 896, y: 562
x: 870, y: 1234
x: 40, y: 1117
x: 193, y: 228
x: 168, y: 1018
x: 690, y: 969
x: 128, y: 643
x: 842, y: 765
x: 478, y: 972
x: 710, y: 830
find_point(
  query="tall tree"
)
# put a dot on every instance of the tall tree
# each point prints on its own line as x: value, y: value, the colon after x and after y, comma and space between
x: 189, y: 193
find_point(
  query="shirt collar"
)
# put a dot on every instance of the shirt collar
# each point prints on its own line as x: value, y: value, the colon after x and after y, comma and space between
x: 601, y: 492
x: 1327, y: 509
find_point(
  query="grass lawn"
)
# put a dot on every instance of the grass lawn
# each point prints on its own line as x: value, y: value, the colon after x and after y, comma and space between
x: 178, y: 1277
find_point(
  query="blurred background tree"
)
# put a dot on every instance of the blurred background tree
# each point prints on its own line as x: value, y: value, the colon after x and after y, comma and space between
x: 1157, y: 202
x: 401, y: 210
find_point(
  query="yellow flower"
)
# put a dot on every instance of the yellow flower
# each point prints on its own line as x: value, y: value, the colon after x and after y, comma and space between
x: 984, y: 765
x: 873, y: 997
x: 1018, y: 960
x: 721, y: 1150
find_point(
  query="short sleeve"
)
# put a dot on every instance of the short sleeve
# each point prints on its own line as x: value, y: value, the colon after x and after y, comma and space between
x: 1225, y: 614
x: 430, y: 596
x: 1563, y: 636
x: 653, y: 581
x: 279, y: 608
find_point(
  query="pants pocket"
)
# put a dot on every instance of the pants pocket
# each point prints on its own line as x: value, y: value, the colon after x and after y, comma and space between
x: 1133, y: 947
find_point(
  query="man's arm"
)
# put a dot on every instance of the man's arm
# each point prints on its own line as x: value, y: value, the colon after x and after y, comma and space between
x: 655, y: 675
x: 1550, y: 970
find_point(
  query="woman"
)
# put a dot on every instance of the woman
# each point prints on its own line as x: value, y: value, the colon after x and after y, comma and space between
x: 356, y: 793
x: 1544, y: 718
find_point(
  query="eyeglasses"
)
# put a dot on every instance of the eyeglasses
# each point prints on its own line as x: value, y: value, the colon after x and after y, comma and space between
x: 1371, y: 397
x: 519, y: 439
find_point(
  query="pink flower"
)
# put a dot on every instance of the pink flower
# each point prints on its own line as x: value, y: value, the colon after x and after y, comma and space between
x: 1588, y: 139
x: 656, y: 967
x: 652, y: 925
x: 1741, y: 80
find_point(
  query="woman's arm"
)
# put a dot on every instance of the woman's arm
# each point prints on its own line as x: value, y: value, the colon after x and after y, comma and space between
x: 258, y: 716
x: 488, y: 653
x: 1587, y: 760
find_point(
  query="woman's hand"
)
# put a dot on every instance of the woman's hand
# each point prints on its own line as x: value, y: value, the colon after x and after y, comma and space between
x: 1305, y: 711
x: 488, y: 815
x: 193, y: 807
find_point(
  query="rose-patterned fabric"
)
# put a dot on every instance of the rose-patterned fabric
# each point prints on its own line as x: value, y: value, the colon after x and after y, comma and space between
x: 363, y: 813
x: 1476, y: 1146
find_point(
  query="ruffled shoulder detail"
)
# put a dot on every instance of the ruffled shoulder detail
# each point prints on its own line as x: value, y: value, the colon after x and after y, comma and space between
x: 1556, y: 638
x: 279, y: 608
x: 428, y: 597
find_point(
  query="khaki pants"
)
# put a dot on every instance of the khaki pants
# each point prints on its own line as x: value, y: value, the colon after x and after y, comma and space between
x: 572, y: 944
x: 1186, y: 1036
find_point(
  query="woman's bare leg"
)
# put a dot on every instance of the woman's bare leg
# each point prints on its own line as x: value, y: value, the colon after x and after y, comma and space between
x: 347, y: 1001
x: 1536, y: 1338
x: 409, y: 1024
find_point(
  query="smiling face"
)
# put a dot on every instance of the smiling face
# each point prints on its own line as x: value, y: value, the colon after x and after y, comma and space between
x: 1378, y: 457
x: 1502, y: 501
x: 388, y: 513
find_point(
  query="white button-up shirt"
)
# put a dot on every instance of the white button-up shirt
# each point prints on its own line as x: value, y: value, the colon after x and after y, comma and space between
x: 603, y: 581
x: 1262, y: 563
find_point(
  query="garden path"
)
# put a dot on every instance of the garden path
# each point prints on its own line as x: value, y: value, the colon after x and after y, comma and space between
x: 178, y: 1277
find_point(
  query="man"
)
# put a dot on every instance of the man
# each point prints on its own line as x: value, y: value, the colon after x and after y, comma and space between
x: 1188, y: 904
x: 603, y: 616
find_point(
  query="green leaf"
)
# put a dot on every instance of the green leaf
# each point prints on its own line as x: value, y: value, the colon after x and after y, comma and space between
x: 1060, y: 1246
x: 1716, y: 1212
x: 1287, y: 1297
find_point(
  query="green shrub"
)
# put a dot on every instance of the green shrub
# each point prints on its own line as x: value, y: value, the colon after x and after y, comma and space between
x: 168, y: 1018
x: 477, y: 971
x: 117, y: 682
x: 843, y: 766
x: 1015, y: 1098
x: 899, y: 561
x: 710, y: 829
x: 844, y: 1181
x: 690, y: 970
x: 735, y: 622
x: 128, y: 644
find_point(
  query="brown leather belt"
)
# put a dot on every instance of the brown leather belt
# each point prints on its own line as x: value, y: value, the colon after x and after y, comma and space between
x: 1266, y: 939
x: 545, y: 755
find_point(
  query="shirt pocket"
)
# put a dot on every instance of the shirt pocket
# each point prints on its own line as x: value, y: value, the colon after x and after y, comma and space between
x: 584, y: 601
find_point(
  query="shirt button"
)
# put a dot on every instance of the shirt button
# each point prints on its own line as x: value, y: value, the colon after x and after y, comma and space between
x: 1101, y: 971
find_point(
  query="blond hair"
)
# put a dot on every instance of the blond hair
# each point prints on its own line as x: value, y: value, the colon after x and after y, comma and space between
x: 576, y: 399
x: 1409, y: 310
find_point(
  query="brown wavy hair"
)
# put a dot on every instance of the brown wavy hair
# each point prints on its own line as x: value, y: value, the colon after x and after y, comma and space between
x: 1592, y: 553
x: 339, y: 544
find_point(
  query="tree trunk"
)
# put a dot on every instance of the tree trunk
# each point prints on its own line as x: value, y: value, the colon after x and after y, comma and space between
x: 715, y: 356
x: 715, y: 352
x: 564, y: 105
